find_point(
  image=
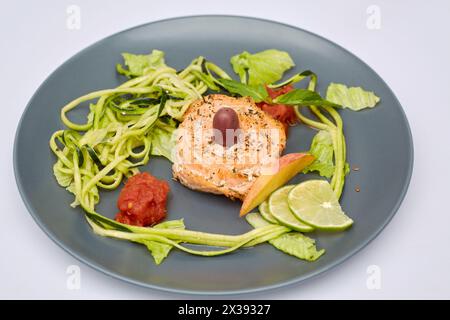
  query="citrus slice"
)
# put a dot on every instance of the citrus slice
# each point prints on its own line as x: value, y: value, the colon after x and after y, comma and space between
x: 315, y: 203
x: 265, y: 213
x: 279, y: 208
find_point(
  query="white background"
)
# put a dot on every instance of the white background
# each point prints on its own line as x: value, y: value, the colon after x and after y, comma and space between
x: 411, y: 52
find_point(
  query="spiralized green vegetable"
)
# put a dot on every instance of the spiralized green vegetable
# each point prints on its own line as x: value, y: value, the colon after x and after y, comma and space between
x: 334, y: 126
x: 123, y: 129
x: 98, y: 154
x: 117, y: 137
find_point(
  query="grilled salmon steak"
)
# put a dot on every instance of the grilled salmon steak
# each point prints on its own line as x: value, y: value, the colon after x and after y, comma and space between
x: 203, y: 164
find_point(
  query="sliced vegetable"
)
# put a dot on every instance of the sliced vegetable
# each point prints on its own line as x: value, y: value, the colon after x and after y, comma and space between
x: 315, y: 203
x: 285, y: 114
x: 124, y: 126
x: 279, y: 208
x: 265, y: 213
x: 173, y: 237
x: 289, y: 166
x: 137, y: 119
x: 94, y: 157
x: 334, y: 125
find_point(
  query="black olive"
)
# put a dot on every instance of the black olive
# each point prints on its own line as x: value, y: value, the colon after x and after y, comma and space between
x: 225, y: 123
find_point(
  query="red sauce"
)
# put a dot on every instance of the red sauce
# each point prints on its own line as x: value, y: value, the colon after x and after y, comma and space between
x: 285, y: 114
x: 142, y: 201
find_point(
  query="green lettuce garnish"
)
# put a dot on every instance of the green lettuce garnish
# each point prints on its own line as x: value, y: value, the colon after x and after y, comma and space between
x: 322, y: 150
x: 293, y: 243
x: 264, y: 67
x: 158, y: 250
x: 297, y: 245
x: 354, y: 98
x: 139, y: 64
x: 163, y: 138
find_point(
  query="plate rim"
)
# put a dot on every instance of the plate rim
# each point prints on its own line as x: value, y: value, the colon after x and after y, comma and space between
x: 283, y: 284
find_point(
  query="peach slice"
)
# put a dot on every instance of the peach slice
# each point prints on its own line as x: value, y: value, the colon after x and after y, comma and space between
x: 289, y: 165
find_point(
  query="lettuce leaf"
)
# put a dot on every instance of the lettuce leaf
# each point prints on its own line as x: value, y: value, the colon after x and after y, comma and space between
x: 293, y: 243
x: 264, y: 67
x: 322, y: 150
x: 297, y: 245
x: 354, y: 98
x: 139, y: 64
x: 163, y: 138
x: 158, y: 250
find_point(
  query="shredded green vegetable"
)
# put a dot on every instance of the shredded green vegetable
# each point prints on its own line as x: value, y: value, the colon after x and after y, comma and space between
x: 121, y: 127
x: 329, y: 120
x: 128, y: 124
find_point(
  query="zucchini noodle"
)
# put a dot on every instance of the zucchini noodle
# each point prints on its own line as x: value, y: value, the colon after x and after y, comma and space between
x: 335, y: 128
x: 117, y: 138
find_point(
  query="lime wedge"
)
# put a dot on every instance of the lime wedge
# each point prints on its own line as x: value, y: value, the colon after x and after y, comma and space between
x: 279, y: 208
x: 264, y: 211
x: 315, y: 203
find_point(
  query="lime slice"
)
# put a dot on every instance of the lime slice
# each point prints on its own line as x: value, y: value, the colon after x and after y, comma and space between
x: 279, y: 208
x: 315, y: 203
x: 264, y: 211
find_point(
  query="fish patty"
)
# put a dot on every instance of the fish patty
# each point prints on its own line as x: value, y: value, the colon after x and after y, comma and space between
x: 204, y: 165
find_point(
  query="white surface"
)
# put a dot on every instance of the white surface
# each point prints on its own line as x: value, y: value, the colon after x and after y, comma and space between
x: 411, y: 52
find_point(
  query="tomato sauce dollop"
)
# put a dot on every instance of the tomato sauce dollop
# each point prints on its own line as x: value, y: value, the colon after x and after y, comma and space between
x: 285, y: 114
x: 142, y: 201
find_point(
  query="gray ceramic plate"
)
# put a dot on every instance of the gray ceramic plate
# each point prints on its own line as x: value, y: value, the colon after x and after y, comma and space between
x: 379, y: 142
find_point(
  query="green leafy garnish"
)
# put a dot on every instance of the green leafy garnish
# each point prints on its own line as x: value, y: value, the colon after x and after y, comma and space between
x: 297, y: 245
x: 303, y: 97
x: 258, y: 92
x: 163, y: 138
x: 322, y: 150
x: 293, y: 243
x: 139, y: 64
x: 158, y: 250
x: 264, y: 67
x: 354, y: 98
